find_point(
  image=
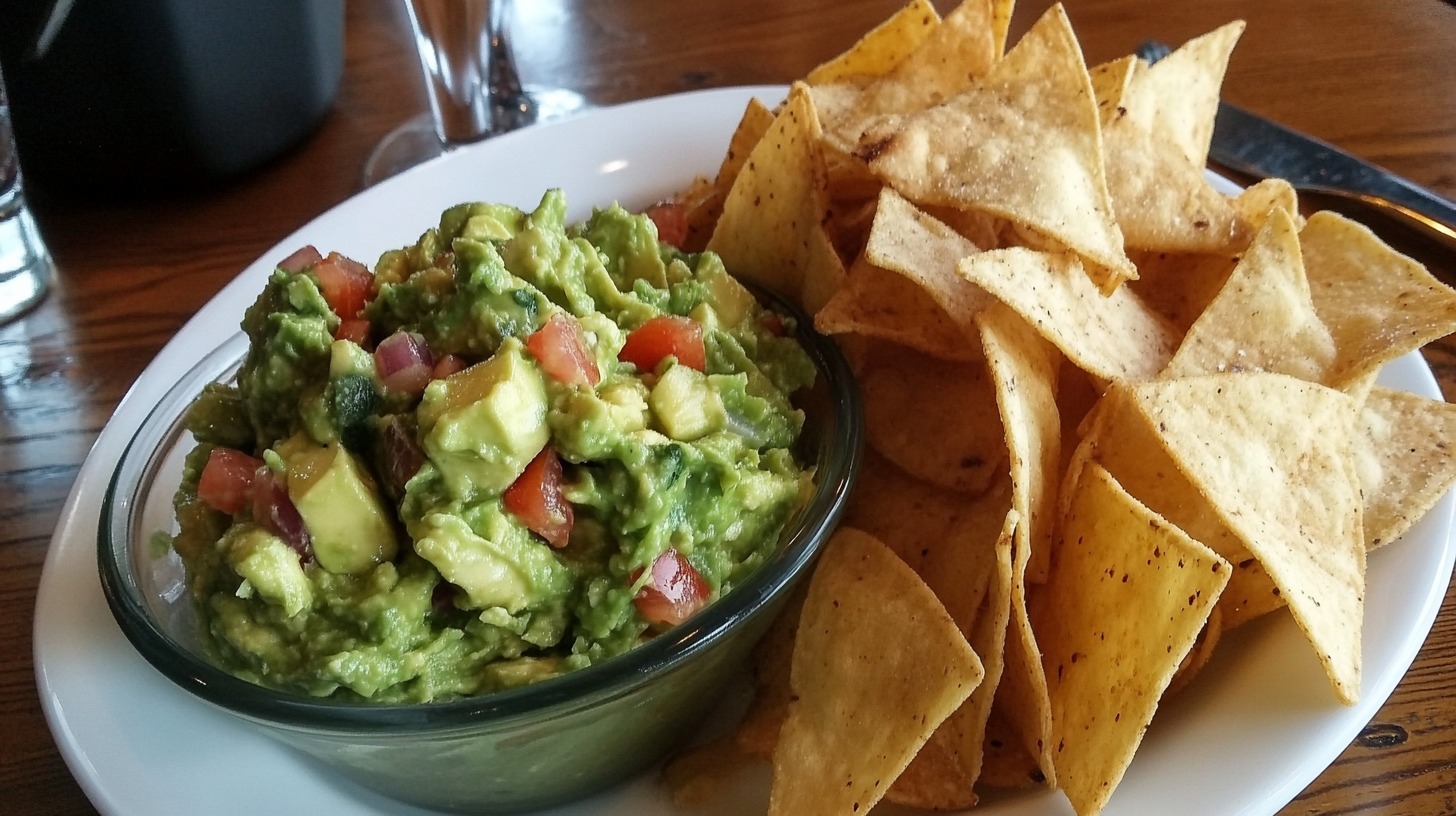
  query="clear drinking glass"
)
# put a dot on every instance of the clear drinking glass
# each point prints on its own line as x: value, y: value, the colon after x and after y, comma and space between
x: 25, y: 263
x: 471, y: 80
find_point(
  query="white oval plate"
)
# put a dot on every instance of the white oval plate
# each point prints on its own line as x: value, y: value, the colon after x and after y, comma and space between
x: 1245, y: 738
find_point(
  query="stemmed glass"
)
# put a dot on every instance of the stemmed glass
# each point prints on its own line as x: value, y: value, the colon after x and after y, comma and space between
x: 471, y: 80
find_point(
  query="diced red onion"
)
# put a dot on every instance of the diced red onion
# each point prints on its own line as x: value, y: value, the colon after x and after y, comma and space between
x: 301, y: 259
x: 402, y: 456
x: 404, y: 362
x: 273, y: 509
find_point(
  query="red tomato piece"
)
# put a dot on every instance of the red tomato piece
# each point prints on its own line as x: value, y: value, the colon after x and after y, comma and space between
x: 671, y: 218
x: 536, y: 498
x: 665, y: 336
x: 226, y: 482
x: 674, y: 592
x: 356, y: 330
x: 560, y: 347
x: 344, y: 283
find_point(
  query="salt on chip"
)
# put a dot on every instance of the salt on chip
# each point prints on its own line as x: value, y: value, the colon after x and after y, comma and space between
x: 883, y: 47
x: 925, y: 250
x: 771, y: 231
x: 1271, y: 454
x: 1378, y: 303
x: 1128, y: 594
x: 1112, y: 336
x: 1404, y: 460
x: 1264, y: 317
x: 866, y: 696
x: 1162, y: 202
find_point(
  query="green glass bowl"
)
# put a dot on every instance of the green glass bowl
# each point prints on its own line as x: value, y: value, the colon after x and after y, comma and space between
x: 523, y: 749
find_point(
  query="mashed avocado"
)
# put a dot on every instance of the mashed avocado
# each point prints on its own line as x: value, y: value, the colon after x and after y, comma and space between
x: 513, y: 449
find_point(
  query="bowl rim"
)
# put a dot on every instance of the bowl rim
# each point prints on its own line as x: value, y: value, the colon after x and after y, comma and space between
x: 837, y: 465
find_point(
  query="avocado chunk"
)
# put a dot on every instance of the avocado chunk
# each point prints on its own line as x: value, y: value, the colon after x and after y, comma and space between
x: 269, y: 567
x: 685, y: 404
x: 340, y: 505
x: 483, y: 425
x: 503, y: 569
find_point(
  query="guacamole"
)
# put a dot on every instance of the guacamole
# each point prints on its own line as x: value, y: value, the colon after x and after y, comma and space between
x: 514, y: 449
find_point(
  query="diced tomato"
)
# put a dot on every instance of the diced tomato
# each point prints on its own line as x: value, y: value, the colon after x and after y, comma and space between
x: 226, y: 482
x: 344, y: 283
x: 301, y: 259
x: 535, y: 497
x: 560, y: 347
x: 671, y: 218
x: 356, y: 330
x: 674, y: 591
x: 665, y: 336
x: 448, y: 364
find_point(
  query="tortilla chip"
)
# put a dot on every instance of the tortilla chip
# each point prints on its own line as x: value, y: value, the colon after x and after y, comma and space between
x: 1176, y: 98
x: 1006, y: 763
x: 1127, y: 597
x: 1202, y: 651
x: 705, y: 210
x: 1271, y: 455
x: 1162, y: 202
x: 1404, y: 460
x: 1110, y: 81
x: 771, y: 230
x: 878, y: 303
x: 956, y: 440
x: 1378, y: 303
x: 1111, y: 337
x: 1023, y: 143
x: 1264, y: 318
x: 1256, y: 202
x: 884, y: 47
x: 867, y: 697
x: 695, y: 777
x: 1178, y: 286
x: 758, y: 731
x: 1251, y: 594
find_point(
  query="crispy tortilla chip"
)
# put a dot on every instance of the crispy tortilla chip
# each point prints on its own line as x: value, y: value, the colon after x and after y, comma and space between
x: 1162, y: 202
x: 867, y: 697
x: 1378, y: 303
x: 1179, y: 286
x: 1176, y: 98
x: 1127, y: 597
x: 1202, y: 652
x: 758, y: 731
x: 705, y: 209
x: 884, y: 47
x: 1110, y: 81
x: 1404, y: 460
x: 1251, y: 594
x: 1112, y: 337
x: 876, y: 302
x: 1264, y: 318
x: 1256, y: 202
x: 1023, y: 144
x: 1271, y: 455
x: 771, y: 231
x: 695, y: 777
x: 956, y: 441
x: 925, y: 250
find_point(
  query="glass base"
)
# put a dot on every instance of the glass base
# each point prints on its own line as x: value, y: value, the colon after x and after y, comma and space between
x: 25, y: 265
x: 415, y: 141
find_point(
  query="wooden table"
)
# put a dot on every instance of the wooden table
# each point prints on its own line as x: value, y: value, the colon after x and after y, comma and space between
x: 1375, y: 78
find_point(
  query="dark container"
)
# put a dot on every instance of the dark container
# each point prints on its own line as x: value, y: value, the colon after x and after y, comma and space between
x: 121, y: 96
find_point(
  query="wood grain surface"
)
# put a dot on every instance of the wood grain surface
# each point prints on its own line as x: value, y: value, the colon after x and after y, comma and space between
x: 1376, y: 78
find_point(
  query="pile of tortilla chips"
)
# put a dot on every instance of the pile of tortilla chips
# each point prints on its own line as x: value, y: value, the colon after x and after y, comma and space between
x: 1112, y: 412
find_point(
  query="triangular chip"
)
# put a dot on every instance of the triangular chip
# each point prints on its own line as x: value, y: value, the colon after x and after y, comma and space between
x: 1264, y: 318
x: 1162, y: 202
x: 883, y: 48
x: 1112, y: 337
x: 771, y: 231
x: 1127, y: 597
x: 1023, y: 144
x: 923, y: 249
x: 1110, y: 80
x: 1378, y: 303
x: 704, y: 210
x: 878, y: 303
x: 867, y: 697
x: 1404, y: 458
x: 1271, y: 455
x: 1176, y: 98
